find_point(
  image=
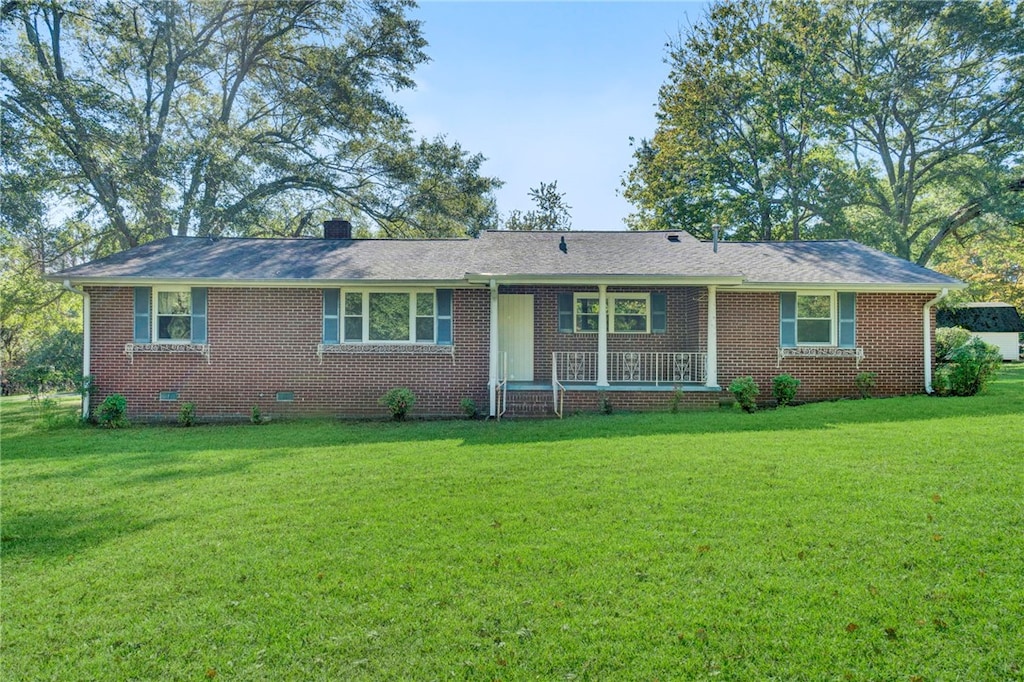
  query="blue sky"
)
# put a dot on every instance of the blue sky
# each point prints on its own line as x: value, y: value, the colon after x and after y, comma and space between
x: 547, y: 91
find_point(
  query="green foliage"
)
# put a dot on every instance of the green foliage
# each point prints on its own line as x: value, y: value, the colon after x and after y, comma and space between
x: 552, y: 213
x: 675, y: 400
x: 968, y: 369
x: 255, y: 415
x: 745, y: 390
x: 865, y: 383
x: 182, y: 117
x: 469, y: 408
x: 784, y: 389
x: 398, y: 401
x: 897, y: 124
x: 187, y: 414
x: 113, y: 412
x: 947, y: 340
x: 604, y: 403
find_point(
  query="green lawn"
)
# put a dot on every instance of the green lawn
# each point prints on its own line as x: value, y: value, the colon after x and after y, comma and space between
x: 858, y: 540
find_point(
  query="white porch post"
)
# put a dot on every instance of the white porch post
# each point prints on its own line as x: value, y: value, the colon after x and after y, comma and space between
x: 602, y: 335
x: 492, y: 381
x: 711, y: 378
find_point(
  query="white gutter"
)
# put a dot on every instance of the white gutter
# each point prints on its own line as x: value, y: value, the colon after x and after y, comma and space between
x: 86, y: 341
x: 928, y: 339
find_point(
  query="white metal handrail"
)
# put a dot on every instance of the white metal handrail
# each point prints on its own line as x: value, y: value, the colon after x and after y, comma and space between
x: 502, y: 388
x: 629, y: 367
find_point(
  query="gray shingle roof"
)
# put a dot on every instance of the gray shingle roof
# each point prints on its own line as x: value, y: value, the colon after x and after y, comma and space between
x: 981, y: 317
x: 507, y: 255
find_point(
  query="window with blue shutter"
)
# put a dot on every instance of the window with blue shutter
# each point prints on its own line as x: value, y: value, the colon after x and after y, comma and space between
x: 331, y: 316
x: 659, y: 313
x: 142, y: 315
x: 847, y: 319
x: 198, y: 314
x: 565, y: 312
x: 787, y: 319
x: 444, y: 317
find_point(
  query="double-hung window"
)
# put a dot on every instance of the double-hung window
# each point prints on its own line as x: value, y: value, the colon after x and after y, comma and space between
x: 389, y: 316
x: 628, y: 312
x: 170, y: 314
x: 817, y: 319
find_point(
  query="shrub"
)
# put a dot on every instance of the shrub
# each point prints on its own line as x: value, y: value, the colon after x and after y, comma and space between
x: 187, y: 414
x: 398, y: 401
x: 255, y: 416
x: 968, y: 369
x: 784, y: 389
x: 746, y: 391
x: 675, y: 400
x: 865, y: 383
x: 113, y: 412
x: 947, y: 340
x: 604, y: 405
x: 469, y: 408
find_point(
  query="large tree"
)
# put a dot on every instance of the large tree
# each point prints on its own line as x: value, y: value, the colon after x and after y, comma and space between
x: 899, y: 124
x: 551, y: 214
x: 207, y: 118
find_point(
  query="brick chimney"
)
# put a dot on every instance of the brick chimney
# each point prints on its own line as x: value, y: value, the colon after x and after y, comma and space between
x: 337, y: 229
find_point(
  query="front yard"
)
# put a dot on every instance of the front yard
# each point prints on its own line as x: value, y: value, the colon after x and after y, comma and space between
x: 857, y: 540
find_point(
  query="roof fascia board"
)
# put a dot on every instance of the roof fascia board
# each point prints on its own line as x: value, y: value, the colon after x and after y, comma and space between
x: 868, y: 288
x: 265, y: 283
x: 642, y: 280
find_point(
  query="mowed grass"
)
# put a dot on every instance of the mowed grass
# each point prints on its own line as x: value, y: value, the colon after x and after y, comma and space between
x: 857, y: 540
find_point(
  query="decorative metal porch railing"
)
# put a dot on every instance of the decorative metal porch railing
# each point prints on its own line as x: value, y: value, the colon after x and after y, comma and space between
x: 630, y: 367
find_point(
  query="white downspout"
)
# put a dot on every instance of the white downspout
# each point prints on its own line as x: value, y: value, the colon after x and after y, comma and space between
x: 492, y: 381
x: 86, y: 341
x: 928, y: 339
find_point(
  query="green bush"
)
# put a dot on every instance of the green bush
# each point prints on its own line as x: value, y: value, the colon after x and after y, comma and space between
x: 947, y: 340
x: 865, y: 383
x: 469, y: 408
x: 187, y: 414
x: 784, y: 389
x: 746, y: 391
x: 398, y: 401
x: 675, y: 400
x: 113, y: 412
x: 968, y: 369
x: 255, y: 416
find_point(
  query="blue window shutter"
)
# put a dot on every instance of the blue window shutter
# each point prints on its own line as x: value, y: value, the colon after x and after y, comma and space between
x: 787, y: 319
x: 198, y: 314
x: 332, y: 313
x: 847, y: 319
x: 565, y: 313
x: 444, y: 317
x: 659, y: 313
x: 142, y: 303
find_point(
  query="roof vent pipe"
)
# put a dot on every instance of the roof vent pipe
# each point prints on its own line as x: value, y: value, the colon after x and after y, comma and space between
x: 337, y: 229
x: 714, y: 236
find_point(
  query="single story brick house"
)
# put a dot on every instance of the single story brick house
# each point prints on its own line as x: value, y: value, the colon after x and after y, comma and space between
x: 998, y: 324
x: 515, y: 321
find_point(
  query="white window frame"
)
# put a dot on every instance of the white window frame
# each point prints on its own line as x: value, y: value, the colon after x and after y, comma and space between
x: 609, y: 309
x: 365, y: 315
x: 589, y: 295
x: 631, y: 296
x: 833, y: 327
x: 155, y: 312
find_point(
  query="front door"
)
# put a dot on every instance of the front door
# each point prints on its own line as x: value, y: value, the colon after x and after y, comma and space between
x: 515, y: 335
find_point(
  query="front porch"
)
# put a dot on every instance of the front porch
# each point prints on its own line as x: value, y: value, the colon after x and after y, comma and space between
x: 628, y: 372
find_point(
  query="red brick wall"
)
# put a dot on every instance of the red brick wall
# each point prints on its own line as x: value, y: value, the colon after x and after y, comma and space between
x: 263, y: 341
x: 889, y: 329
